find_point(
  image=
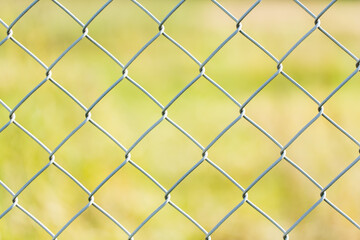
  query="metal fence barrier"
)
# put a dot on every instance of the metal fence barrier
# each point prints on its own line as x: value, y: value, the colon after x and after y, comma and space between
x: 280, y: 69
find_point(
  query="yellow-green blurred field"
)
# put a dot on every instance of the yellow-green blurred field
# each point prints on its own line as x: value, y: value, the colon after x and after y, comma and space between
x: 203, y: 111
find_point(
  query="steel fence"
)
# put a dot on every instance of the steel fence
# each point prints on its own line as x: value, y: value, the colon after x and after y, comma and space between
x: 164, y: 111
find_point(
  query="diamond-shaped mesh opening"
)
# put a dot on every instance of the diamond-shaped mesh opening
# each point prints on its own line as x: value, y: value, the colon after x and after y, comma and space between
x: 168, y: 157
x: 260, y: 24
x: 90, y: 168
x: 236, y: 67
x: 52, y: 31
x: 341, y: 21
x: 118, y: 112
x: 17, y: 68
x: 163, y: 79
x: 315, y: 143
x: 91, y: 73
x: 64, y: 199
x: 195, y: 195
x: 130, y: 197
x: 237, y: 152
x: 21, y: 154
x: 130, y: 29
x: 17, y: 225
x: 326, y: 68
x: 212, y: 28
x: 286, y: 114
x: 210, y: 109
x: 58, y: 115
x: 284, y: 193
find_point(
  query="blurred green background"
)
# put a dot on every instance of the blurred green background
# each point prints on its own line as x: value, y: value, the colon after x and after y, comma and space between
x: 203, y: 111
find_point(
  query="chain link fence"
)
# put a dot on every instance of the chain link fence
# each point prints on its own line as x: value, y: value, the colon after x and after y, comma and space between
x: 239, y: 210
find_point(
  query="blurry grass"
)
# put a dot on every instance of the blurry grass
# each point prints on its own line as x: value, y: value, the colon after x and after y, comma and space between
x: 203, y: 111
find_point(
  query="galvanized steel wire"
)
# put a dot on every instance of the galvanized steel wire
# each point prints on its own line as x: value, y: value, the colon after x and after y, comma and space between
x: 164, y: 108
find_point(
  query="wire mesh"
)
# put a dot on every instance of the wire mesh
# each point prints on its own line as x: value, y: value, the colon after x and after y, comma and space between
x: 164, y: 109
